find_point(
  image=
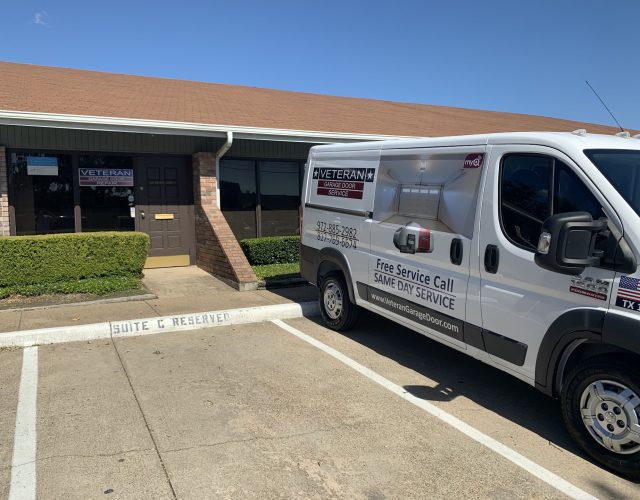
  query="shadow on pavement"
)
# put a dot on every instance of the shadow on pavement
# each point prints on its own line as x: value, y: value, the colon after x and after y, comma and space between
x: 457, y: 374
x: 299, y: 293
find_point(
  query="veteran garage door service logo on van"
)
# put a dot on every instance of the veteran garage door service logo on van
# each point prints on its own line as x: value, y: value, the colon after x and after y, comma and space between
x: 343, y: 182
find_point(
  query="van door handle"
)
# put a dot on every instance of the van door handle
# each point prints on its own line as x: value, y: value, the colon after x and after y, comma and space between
x: 455, y: 252
x: 491, y: 259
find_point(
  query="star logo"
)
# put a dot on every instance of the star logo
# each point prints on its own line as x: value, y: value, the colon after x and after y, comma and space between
x: 315, y: 173
x: 370, y: 175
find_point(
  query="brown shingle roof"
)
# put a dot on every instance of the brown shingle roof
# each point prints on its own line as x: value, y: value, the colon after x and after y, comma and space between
x: 76, y: 92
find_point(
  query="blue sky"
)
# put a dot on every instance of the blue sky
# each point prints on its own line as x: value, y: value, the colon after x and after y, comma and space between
x: 525, y: 57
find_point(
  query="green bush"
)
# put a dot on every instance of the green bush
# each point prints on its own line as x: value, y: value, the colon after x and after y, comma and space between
x: 95, y: 286
x: 271, y: 250
x: 43, y: 261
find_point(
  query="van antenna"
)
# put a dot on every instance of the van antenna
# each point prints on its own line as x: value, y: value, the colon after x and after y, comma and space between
x: 605, y: 106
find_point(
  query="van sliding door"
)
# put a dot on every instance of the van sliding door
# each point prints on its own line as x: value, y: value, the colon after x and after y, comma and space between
x: 421, y: 236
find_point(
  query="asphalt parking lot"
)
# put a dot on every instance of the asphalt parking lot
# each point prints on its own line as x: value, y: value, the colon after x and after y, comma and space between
x: 253, y: 411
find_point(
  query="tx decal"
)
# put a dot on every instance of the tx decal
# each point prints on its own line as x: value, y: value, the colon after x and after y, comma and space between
x: 628, y: 296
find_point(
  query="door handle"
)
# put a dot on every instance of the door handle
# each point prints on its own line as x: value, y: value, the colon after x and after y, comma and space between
x: 455, y: 252
x: 492, y: 259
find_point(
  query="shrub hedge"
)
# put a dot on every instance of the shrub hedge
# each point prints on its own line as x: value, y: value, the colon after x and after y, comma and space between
x: 94, y: 286
x: 38, y: 261
x: 271, y: 250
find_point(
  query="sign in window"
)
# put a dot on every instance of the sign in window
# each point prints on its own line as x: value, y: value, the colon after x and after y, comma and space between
x: 121, y: 177
x: 42, y: 165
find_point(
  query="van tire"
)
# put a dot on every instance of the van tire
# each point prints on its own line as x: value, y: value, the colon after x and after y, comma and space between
x: 616, y: 373
x: 336, y: 308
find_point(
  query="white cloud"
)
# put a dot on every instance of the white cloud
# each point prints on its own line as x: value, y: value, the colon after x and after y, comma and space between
x: 40, y: 18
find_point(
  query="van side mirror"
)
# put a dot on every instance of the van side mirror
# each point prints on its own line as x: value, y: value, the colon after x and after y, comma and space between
x: 413, y: 238
x: 567, y: 243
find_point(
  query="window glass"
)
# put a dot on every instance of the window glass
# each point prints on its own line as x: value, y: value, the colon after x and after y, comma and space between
x: 279, y: 197
x: 238, y: 196
x: 622, y: 168
x: 525, y: 197
x: 41, y: 192
x: 572, y: 195
x: 107, y: 199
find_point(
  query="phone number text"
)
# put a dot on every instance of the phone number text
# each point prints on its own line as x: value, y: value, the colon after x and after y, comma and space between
x: 337, y: 234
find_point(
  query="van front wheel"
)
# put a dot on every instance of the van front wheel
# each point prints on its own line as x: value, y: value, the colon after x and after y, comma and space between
x: 338, y: 312
x: 601, y: 409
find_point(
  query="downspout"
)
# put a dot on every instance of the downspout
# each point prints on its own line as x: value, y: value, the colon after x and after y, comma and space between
x: 219, y: 154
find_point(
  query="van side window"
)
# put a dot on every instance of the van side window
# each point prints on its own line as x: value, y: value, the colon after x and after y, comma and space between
x: 528, y: 196
x: 525, y: 197
x: 571, y: 195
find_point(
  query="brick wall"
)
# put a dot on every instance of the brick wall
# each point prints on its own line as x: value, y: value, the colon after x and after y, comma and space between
x: 217, y: 250
x: 4, y: 194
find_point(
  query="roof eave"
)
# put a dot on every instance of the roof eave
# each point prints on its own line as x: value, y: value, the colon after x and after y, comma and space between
x: 131, y: 125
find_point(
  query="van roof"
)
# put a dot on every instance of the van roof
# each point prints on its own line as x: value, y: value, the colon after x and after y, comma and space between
x: 560, y: 140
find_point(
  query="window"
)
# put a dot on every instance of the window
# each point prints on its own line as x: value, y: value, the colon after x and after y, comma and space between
x: 260, y: 198
x: 621, y: 167
x: 571, y: 195
x: 41, y: 192
x: 279, y: 197
x: 534, y: 187
x: 105, y: 206
x: 525, y: 200
x: 238, y: 196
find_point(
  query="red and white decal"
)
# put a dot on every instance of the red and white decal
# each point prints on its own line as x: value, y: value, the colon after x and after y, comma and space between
x: 343, y: 182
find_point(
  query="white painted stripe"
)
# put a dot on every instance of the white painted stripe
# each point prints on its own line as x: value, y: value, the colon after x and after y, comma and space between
x: 158, y: 324
x: 513, y: 456
x: 23, y: 464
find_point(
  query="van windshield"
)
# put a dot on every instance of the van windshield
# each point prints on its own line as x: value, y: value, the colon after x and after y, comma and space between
x: 622, y: 168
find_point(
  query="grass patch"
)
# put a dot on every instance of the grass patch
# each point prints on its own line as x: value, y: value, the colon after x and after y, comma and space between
x: 277, y: 271
x: 95, y: 286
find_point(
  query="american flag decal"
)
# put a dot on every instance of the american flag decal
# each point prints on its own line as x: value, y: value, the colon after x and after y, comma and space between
x: 629, y: 289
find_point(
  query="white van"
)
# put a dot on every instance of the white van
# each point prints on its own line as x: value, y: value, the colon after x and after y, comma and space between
x: 520, y: 249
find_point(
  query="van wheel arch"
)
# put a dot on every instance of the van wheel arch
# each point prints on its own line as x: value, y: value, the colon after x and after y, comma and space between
x: 573, y: 326
x: 582, y: 351
x: 333, y: 261
x: 578, y: 335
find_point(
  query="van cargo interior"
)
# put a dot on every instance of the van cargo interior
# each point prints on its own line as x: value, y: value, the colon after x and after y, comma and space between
x: 435, y: 191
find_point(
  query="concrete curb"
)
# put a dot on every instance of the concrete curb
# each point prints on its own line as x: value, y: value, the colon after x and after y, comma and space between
x: 158, y: 324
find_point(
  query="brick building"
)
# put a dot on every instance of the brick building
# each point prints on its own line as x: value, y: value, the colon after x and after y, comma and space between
x: 195, y: 165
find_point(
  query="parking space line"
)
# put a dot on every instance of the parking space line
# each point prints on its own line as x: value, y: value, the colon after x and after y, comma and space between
x: 23, y: 462
x: 513, y: 456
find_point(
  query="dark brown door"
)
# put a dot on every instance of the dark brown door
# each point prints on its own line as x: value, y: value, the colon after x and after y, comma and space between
x: 165, y: 209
